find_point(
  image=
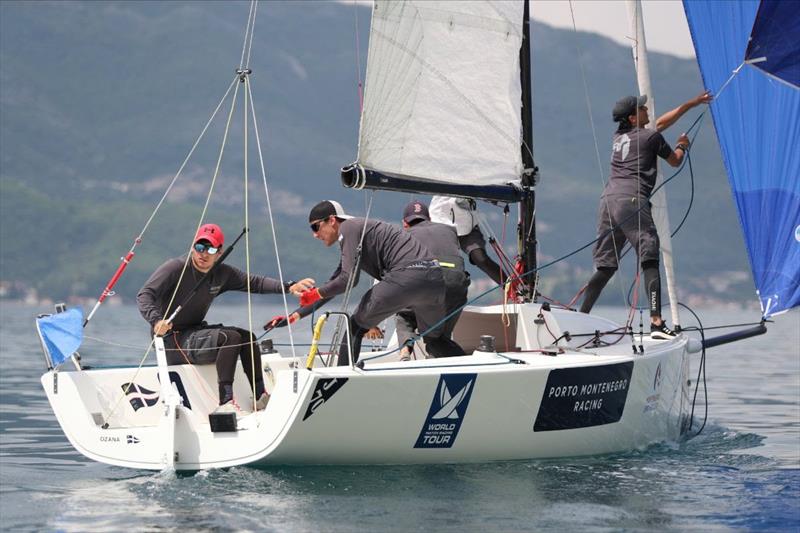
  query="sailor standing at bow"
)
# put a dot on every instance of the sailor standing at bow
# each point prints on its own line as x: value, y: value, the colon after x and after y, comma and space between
x: 625, y: 210
x: 409, y: 277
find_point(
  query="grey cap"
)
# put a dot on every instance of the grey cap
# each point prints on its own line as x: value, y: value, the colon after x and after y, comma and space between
x: 415, y: 210
x: 627, y: 106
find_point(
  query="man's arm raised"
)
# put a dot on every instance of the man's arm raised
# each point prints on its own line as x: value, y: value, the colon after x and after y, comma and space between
x: 671, y: 117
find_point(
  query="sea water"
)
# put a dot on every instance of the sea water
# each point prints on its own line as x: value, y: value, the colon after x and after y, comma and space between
x: 741, y: 472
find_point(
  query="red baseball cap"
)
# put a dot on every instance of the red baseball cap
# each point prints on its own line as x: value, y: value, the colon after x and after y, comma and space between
x: 211, y: 233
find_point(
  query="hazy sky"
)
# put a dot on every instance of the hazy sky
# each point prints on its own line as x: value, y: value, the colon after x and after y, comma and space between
x: 664, y: 21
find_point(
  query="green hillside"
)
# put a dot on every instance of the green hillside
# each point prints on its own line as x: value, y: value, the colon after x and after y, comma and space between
x: 101, y: 102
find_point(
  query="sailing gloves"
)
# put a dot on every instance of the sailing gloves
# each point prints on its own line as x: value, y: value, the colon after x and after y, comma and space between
x: 280, y: 321
x: 310, y: 297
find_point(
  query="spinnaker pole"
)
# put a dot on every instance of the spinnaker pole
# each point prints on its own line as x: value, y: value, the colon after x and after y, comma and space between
x: 527, y: 225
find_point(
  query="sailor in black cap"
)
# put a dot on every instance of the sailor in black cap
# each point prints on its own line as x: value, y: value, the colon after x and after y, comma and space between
x: 442, y: 240
x: 625, y: 210
x: 409, y: 276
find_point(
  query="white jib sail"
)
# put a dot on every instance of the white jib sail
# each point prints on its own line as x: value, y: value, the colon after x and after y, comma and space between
x: 659, y: 198
x: 442, y: 97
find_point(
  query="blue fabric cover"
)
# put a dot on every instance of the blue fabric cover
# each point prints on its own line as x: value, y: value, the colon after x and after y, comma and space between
x: 756, y: 120
x: 776, y: 37
x: 62, y: 334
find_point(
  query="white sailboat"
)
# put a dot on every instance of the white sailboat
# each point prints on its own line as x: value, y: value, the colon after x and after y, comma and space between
x: 446, y: 98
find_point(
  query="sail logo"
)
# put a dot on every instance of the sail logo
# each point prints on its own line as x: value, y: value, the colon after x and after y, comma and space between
x: 651, y: 402
x: 132, y: 439
x: 140, y: 397
x: 447, y: 411
x: 797, y: 233
x: 623, y: 144
x: 325, y: 389
x: 657, y: 378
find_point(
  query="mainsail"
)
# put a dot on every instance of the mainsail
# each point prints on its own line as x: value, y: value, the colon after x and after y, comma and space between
x: 756, y: 120
x: 442, y: 99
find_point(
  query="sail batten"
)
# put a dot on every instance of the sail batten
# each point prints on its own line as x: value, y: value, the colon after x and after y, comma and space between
x: 443, y: 95
x: 756, y: 120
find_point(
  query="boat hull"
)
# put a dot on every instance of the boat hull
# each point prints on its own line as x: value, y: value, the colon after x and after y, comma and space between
x: 482, y: 407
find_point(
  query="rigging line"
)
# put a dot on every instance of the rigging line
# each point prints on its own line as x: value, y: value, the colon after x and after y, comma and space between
x: 358, y: 61
x: 725, y: 85
x: 351, y: 279
x: 138, y: 239
x: 130, y: 384
x: 687, y: 161
x: 269, y: 209
x: 627, y: 247
x: 208, y: 198
x: 189, y: 255
x: 185, y: 349
x: 247, y: 31
x: 253, y: 370
x: 252, y: 31
x: 205, y: 207
x: 545, y: 265
x: 579, y: 53
x: 638, y: 263
x: 186, y: 159
x: 700, y: 370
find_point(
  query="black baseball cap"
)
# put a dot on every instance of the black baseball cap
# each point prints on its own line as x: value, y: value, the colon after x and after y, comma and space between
x: 627, y: 106
x: 326, y: 208
x: 415, y: 210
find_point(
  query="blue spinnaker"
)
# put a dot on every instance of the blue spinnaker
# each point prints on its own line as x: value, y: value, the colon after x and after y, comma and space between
x: 775, y: 40
x: 757, y: 120
x: 62, y: 334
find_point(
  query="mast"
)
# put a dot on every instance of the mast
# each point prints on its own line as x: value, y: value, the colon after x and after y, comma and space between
x: 659, y: 198
x: 527, y: 225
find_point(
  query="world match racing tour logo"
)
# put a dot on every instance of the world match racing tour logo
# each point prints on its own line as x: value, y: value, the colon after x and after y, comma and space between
x: 447, y: 411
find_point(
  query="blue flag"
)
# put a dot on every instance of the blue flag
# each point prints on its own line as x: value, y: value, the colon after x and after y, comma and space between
x: 62, y: 334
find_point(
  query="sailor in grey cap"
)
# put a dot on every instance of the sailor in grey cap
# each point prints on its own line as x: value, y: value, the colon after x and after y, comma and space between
x: 442, y: 240
x: 625, y: 210
x: 409, y: 276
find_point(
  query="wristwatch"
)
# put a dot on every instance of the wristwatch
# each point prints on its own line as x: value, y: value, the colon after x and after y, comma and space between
x: 288, y: 285
x: 684, y: 147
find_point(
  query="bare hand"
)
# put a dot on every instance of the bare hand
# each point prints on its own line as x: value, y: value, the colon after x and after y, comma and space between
x: 703, y: 98
x: 683, y: 139
x: 302, y: 285
x: 405, y: 353
x: 162, y: 327
x: 374, y: 333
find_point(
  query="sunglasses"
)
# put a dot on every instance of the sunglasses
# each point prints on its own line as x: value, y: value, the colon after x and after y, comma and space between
x: 200, y: 248
x: 315, y: 225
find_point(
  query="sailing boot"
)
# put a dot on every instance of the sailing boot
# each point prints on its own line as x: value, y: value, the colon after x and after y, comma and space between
x: 661, y: 332
x: 263, y: 397
x: 226, y: 401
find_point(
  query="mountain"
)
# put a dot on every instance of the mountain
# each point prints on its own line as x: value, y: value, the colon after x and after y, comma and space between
x: 101, y: 102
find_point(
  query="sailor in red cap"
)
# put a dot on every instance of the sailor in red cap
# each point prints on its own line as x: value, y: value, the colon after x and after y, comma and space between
x: 189, y: 340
